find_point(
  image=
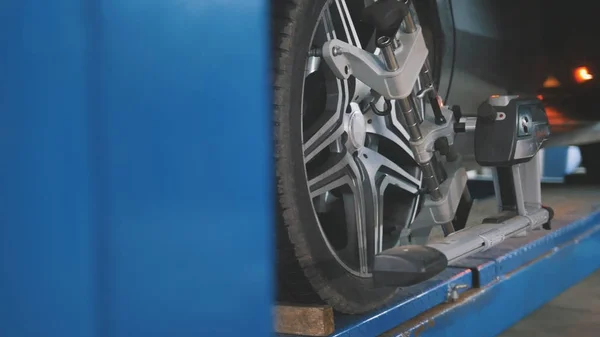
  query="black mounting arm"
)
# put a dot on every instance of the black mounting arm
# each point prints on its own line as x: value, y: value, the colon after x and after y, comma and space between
x: 386, y: 16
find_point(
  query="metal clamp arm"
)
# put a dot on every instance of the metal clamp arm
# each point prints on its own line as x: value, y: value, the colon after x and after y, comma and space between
x: 345, y: 60
x: 424, y: 147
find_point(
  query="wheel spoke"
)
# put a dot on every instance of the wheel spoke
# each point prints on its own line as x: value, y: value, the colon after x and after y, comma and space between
x: 328, y: 25
x: 383, y: 126
x: 333, y: 174
x: 328, y: 129
x: 375, y: 164
x: 324, y: 136
x: 325, y: 32
x: 373, y: 188
x: 380, y: 189
x: 347, y: 22
x: 359, y: 210
x: 358, y: 233
x: 392, y: 122
x: 363, y: 201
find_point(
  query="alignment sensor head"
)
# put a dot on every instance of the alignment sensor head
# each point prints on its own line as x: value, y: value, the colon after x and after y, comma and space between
x: 510, y: 130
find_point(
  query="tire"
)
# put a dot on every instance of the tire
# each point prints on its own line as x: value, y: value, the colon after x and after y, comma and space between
x: 309, y: 271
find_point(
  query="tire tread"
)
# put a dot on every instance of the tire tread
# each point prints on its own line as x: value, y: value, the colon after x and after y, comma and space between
x: 293, y: 283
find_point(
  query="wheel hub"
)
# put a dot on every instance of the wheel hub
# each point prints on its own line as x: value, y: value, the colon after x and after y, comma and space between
x: 357, y: 130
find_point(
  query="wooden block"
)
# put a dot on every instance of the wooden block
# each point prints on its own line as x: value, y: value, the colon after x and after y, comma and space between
x: 304, y: 320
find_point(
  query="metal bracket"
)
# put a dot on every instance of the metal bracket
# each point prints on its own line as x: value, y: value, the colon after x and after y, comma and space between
x: 423, y: 148
x: 442, y: 211
x: 345, y: 59
x: 483, y: 237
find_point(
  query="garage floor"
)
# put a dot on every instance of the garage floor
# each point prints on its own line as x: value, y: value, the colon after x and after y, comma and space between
x: 575, y: 313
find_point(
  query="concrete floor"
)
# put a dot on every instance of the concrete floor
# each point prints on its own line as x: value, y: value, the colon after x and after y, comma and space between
x: 575, y: 313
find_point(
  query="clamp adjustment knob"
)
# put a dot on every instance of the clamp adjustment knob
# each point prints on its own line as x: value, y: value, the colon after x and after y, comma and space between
x: 386, y: 16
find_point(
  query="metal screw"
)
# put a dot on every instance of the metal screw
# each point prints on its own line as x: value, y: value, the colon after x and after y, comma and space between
x: 453, y: 294
x: 336, y: 51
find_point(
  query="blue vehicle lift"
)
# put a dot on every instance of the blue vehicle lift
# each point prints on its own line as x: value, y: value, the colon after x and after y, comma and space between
x: 135, y: 189
x: 136, y: 159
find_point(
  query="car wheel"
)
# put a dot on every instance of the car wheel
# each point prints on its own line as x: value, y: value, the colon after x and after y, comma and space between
x: 347, y: 182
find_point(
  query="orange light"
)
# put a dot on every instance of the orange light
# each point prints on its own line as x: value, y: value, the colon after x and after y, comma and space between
x: 551, y: 82
x: 540, y: 97
x: 582, y: 74
x: 495, y: 96
x: 440, y: 101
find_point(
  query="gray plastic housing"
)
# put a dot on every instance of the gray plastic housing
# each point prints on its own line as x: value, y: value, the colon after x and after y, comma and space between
x: 529, y: 215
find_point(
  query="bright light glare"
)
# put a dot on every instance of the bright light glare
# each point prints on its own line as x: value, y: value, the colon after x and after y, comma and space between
x: 582, y: 74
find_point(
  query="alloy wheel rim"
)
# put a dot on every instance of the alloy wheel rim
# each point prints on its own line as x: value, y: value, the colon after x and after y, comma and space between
x: 356, y: 161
